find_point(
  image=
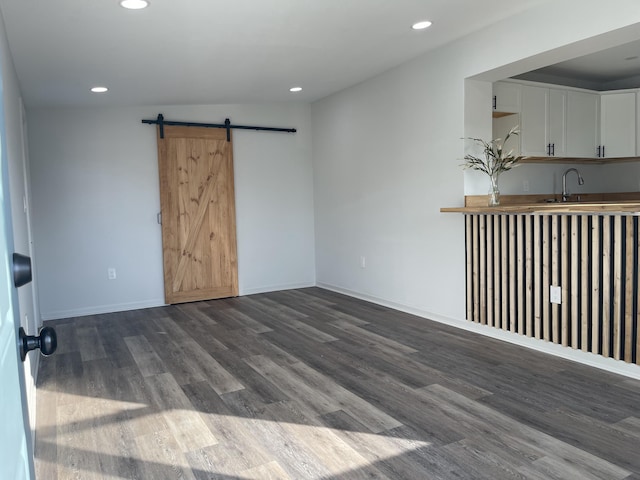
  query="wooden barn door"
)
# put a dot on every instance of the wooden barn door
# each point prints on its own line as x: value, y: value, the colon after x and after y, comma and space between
x: 198, y: 214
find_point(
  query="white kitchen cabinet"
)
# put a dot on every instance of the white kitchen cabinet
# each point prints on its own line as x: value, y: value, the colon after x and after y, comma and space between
x: 543, y: 121
x: 503, y: 125
x: 557, y: 122
x: 583, y: 124
x: 506, y: 97
x: 617, y: 125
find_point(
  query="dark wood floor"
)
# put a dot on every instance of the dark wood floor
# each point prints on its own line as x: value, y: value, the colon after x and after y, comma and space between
x: 309, y: 384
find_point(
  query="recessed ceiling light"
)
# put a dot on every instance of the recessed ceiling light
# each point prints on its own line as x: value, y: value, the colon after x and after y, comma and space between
x: 295, y: 89
x: 99, y: 89
x: 421, y: 25
x: 134, y: 4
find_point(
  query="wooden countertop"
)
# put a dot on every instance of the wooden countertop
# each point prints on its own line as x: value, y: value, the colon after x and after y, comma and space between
x: 568, y: 207
x: 626, y: 202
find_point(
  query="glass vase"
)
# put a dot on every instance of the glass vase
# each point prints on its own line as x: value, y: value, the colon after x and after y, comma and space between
x: 494, y: 191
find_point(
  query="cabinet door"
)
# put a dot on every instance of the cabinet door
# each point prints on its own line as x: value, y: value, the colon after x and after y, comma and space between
x: 506, y: 97
x: 534, y: 121
x: 502, y: 126
x: 557, y: 122
x: 618, y: 124
x: 582, y: 124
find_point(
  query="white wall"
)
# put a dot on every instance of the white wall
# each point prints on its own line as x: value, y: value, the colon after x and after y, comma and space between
x: 96, y: 196
x: 387, y: 153
x: 384, y: 163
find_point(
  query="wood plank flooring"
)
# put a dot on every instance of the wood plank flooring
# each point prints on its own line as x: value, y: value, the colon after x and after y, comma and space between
x: 310, y: 384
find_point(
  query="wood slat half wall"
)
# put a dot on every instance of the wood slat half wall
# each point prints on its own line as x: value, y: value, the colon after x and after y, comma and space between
x: 513, y: 260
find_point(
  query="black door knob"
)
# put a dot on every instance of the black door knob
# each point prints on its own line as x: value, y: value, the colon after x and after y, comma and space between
x: 21, y: 270
x: 47, y: 342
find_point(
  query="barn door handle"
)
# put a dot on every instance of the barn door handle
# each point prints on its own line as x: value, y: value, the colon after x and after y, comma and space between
x: 47, y: 342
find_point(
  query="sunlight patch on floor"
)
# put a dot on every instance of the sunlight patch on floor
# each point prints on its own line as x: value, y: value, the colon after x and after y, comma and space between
x: 93, y: 436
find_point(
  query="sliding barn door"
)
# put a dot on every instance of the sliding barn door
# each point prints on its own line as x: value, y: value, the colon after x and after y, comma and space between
x: 198, y: 214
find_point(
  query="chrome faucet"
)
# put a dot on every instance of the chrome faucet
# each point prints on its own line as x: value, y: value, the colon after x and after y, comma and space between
x: 565, y: 192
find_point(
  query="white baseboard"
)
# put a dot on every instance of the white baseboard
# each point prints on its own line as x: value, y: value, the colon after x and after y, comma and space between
x: 123, y: 307
x: 31, y: 380
x: 274, y: 288
x: 591, y: 359
x: 120, y: 307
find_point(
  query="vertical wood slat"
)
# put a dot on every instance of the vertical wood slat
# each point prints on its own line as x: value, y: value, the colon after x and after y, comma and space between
x: 595, y: 286
x: 469, y: 258
x: 637, y: 319
x: 520, y: 274
x: 483, y: 270
x: 505, y: 273
x: 529, y: 277
x: 584, y: 285
x: 489, y: 269
x: 555, y: 248
x: 513, y: 259
x: 512, y: 273
x: 565, y: 323
x: 604, y: 321
x: 628, y: 294
x: 575, y: 262
x: 545, y: 277
x: 497, y: 295
x: 617, y: 288
x: 476, y: 269
x: 537, y: 281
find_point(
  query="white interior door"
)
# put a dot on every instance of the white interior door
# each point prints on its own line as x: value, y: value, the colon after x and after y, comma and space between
x: 27, y: 295
x: 16, y: 457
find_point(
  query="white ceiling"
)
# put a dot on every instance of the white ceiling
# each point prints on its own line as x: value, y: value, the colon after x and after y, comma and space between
x: 232, y: 51
x: 610, y: 69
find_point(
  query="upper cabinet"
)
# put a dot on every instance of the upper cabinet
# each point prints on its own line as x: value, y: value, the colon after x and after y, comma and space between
x: 583, y: 125
x: 557, y: 123
x: 617, y: 125
x: 506, y: 97
x: 568, y: 123
x: 543, y: 122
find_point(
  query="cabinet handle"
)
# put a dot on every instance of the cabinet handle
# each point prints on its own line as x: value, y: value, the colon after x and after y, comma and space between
x: 495, y: 102
x: 598, y: 151
x: 602, y: 151
x: 553, y: 149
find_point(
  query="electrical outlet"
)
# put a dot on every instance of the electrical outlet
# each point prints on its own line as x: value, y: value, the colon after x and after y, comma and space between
x: 525, y: 185
x: 111, y: 273
x: 363, y: 262
x: 555, y: 294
